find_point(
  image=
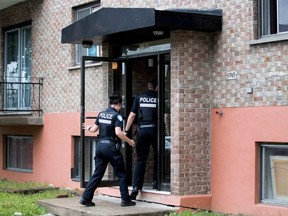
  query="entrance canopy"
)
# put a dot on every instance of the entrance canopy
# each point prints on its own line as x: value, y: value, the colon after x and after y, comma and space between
x: 134, y: 25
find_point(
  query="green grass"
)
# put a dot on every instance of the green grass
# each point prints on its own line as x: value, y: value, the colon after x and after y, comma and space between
x: 25, y: 203
x: 10, y: 203
x: 198, y: 213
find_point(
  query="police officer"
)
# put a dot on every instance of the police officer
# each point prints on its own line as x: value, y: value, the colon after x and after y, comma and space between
x: 145, y: 105
x: 109, y: 123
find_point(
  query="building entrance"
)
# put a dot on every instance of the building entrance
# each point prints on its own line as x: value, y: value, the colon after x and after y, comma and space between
x: 130, y: 79
x: 130, y: 75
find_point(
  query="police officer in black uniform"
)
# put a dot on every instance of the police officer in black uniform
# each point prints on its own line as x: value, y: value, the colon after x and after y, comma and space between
x: 109, y: 123
x: 145, y: 105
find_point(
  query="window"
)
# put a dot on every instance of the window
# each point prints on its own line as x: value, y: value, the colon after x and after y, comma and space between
x: 90, y: 148
x: 80, y: 50
x: 17, y: 68
x: 274, y: 170
x: 274, y: 16
x: 19, y: 153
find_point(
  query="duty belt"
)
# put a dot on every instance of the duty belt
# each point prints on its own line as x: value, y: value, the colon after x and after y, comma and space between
x: 147, y: 126
x: 106, y: 141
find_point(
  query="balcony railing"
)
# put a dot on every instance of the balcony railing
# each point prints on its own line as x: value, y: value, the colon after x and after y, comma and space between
x: 20, y: 94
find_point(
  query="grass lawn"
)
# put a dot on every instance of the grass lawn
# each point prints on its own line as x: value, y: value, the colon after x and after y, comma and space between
x: 22, y: 197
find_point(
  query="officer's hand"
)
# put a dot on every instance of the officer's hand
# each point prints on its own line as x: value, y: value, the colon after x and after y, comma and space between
x: 132, y: 143
x: 83, y: 126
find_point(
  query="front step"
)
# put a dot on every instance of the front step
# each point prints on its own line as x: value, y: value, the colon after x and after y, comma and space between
x: 104, y: 206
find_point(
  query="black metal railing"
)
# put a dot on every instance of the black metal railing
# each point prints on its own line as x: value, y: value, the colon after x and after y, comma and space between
x: 21, y: 94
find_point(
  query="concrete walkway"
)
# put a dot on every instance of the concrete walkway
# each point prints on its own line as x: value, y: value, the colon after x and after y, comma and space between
x: 104, y: 206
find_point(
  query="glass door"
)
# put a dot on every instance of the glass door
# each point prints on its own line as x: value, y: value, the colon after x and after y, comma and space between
x: 139, y: 71
x: 118, y: 84
x: 167, y: 120
x: 17, y: 72
x: 164, y: 123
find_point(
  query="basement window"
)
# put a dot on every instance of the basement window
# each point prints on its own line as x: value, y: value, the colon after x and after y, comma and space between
x: 19, y: 153
x: 90, y: 149
x: 274, y: 174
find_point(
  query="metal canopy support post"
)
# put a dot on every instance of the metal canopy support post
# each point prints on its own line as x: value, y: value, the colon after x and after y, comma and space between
x: 82, y: 120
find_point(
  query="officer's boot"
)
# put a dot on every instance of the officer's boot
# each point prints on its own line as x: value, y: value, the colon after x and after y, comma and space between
x: 134, y: 193
x: 155, y: 185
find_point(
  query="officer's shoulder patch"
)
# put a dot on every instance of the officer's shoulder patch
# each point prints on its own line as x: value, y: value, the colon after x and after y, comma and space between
x: 119, y: 117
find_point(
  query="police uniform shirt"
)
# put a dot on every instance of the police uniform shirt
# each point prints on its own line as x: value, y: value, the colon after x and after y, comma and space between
x: 107, y: 121
x: 146, y: 107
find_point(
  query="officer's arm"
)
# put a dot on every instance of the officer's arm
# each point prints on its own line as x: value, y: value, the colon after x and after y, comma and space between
x: 123, y: 136
x: 130, y: 121
x: 92, y: 129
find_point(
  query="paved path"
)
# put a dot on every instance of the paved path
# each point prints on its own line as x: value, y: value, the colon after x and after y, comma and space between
x: 104, y: 206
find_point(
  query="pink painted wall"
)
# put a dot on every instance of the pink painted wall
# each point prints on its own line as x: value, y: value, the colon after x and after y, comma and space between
x: 53, y: 149
x: 235, y: 156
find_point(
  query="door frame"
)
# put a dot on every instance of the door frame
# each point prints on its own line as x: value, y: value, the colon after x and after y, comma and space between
x: 162, y: 186
x: 160, y: 110
x: 83, y: 183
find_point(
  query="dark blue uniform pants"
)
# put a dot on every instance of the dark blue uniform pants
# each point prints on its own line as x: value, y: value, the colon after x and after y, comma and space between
x: 106, y: 152
x: 146, y: 137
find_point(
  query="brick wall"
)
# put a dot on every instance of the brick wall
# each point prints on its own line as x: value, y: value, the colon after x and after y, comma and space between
x: 190, y: 105
x: 199, y: 63
x: 54, y: 61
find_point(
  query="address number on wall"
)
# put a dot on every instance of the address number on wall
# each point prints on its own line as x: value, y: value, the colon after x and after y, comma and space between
x: 231, y: 75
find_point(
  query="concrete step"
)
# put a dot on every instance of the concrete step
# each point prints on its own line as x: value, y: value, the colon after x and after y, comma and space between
x: 104, y: 206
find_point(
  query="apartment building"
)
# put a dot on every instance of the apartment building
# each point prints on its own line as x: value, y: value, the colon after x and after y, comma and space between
x: 222, y: 84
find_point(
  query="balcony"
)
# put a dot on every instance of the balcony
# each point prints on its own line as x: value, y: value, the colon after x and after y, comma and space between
x: 20, y: 102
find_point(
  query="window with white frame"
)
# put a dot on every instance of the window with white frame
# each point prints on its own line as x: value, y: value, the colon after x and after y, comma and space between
x: 80, y: 50
x: 90, y: 149
x: 19, y: 153
x: 274, y: 17
x: 274, y: 174
x: 17, y: 68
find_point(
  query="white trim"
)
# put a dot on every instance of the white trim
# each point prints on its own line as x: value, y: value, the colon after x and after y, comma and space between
x: 270, y: 39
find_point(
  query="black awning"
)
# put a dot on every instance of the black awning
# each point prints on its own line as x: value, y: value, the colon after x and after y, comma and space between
x: 131, y: 25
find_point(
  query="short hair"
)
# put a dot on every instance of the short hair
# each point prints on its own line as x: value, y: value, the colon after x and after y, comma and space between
x: 152, y: 84
x: 115, y: 98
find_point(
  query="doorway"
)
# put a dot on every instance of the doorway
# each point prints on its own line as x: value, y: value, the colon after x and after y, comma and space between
x: 130, y: 79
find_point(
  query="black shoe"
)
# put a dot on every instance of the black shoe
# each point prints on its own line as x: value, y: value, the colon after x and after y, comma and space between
x: 154, y: 185
x: 86, y: 202
x: 127, y: 203
x: 134, y: 194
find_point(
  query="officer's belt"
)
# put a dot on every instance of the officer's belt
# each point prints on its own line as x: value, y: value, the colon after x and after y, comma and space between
x: 106, y: 141
x: 147, y: 126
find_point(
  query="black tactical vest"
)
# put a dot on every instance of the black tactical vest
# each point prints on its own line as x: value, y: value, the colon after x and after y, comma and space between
x: 106, y: 121
x: 147, y: 108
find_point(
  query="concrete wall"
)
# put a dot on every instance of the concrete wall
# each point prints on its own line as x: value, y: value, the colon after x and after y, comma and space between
x: 235, y: 156
x: 52, y: 150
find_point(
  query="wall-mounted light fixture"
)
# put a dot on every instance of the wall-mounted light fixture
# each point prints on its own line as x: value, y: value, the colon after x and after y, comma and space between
x: 114, y: 65
x: 219, y: 112
x: 158, y: 33
x: 87, y: 43
x: 150, y: 62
